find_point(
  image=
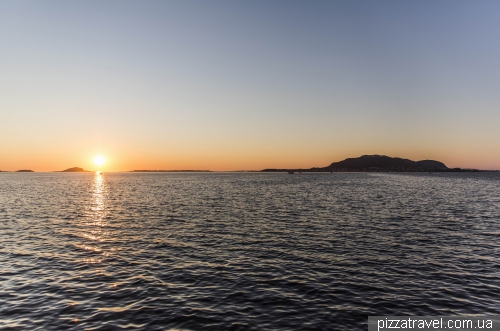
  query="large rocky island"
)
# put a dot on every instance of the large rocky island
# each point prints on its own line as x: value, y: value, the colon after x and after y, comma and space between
x: 74, y: 169
x: 379, y: 163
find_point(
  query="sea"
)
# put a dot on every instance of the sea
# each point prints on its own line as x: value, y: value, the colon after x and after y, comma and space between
x: 245, y: 251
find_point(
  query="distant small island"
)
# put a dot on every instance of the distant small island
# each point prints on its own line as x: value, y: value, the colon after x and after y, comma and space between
x: 379, y: 163
x: 171, y: 171
x: 74, y: 169
x: 24, y: 170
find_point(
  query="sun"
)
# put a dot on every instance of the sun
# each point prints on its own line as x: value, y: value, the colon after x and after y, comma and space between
x: 99, y: 161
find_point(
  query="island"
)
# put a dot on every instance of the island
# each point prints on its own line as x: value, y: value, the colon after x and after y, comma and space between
x: 170, y: 171
x: 74, y: 169
x: 24, y: 170
x: 379, y: 163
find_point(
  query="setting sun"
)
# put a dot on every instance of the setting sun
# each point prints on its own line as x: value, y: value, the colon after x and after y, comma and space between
x: 99, y: 161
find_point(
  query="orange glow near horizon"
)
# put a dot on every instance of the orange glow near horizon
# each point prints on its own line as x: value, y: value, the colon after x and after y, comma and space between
x: 125, y: 158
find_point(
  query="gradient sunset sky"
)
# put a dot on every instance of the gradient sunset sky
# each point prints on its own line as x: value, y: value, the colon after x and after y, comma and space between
x: 233, y: 85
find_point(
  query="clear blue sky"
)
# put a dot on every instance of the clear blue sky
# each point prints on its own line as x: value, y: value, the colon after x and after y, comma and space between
x: 229, y: 85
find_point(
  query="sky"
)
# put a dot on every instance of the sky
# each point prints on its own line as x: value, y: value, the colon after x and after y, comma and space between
x: 247, y: 85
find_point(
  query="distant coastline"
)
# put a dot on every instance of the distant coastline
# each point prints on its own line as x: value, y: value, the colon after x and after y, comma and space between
x: 379, y: 163
x: 364, y: 163
x: 170, y: 171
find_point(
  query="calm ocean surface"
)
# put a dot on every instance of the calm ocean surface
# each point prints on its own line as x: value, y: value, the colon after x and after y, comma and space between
x: 244, y: 251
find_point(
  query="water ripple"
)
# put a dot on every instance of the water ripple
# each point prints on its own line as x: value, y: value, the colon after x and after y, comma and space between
x: 244, y: 251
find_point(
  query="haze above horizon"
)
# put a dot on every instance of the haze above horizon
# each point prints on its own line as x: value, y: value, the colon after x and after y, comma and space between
x: 223, y: 85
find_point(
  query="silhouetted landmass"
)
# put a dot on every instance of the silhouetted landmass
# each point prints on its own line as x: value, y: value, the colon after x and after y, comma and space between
x: 75, y: 169
x: 24, y: 170
x: 170, y: 171
x: 243, y: 171
x: 430, y: 164
x: 380, y: 163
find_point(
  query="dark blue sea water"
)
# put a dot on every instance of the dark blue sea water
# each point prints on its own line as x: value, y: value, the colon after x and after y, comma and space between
x: 244, y: 251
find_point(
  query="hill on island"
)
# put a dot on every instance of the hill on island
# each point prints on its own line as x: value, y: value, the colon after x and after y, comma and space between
x: 24, y: 170
x: 382, y: 162
x: 377, y: 163
x: 75, y: 169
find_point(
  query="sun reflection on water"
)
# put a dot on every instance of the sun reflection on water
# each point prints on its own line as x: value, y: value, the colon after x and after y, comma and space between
x: 95, y: 226
x: 99, y: 201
